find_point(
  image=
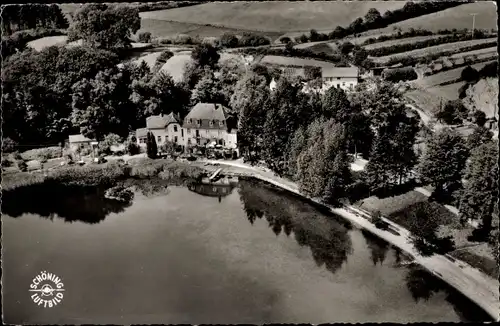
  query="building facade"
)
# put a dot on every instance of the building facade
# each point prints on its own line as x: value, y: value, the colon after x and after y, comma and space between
x: 345, y: 78
x: 206, y: 123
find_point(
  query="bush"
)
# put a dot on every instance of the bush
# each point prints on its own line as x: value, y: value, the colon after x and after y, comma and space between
x: 249, y: 39
x: 8, y: 145
x: 469, y: 74
x: 285, y: 40
x: 228, y: 40
x: 453, y: 112
x: 22, y: 166
x: 462, y: 91
x: 132, y: 148
x: 400, y: 74
x: 42, y: 154
x: 91, y: 175
x: 108, y: 141
x: 479, y: 118
x: 144, y: 37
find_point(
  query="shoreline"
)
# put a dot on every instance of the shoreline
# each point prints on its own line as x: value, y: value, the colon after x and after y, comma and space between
x: 474, y: 284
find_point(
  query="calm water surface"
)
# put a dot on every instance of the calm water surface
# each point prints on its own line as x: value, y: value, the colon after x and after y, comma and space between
x: 251, y: 254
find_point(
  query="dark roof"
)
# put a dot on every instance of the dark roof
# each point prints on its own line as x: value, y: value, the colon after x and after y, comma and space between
x: 160, y: 121
x: 340, y: 72
x: 206, y: 112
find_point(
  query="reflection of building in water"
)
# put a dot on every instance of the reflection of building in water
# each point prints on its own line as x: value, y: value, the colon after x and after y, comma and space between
x: 211, y: 190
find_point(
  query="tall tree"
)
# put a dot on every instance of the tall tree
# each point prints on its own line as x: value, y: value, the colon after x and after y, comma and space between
x: 249, y: 102
x: 151, y: 146
x: 479, y: 136
x: 205, y: 54
x: 105, y: 27
x: 444, y: 160
x: 336, y: 105
x: 480, y: 193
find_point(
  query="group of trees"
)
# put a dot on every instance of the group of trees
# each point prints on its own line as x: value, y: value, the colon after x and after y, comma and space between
x: 400, y: 74
x: 30, y: 16
x: 229, y: 40
x: 472, y: 76
x: 373, y: 19
x: 104, y: 27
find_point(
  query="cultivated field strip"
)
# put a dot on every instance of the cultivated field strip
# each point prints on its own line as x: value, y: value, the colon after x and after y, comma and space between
x: 437, y: 49
x: 447, y: 76
x: 289, y: 61
x: 479, y: 53
x: 409, y: 40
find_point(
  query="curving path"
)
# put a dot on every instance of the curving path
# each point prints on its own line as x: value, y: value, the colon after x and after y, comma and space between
x: 477, y: 286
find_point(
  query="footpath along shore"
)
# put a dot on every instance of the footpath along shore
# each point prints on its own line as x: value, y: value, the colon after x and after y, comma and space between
x: 480, y: 288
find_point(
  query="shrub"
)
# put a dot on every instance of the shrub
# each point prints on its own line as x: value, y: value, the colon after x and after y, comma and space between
x: 285, y: 40
x: 91, y: 175
x: 108, y: 141
x: 479, y: 118
x: 144, y: 37
x: 489, y: 70
x: 132, y: 147
x: 152, y: 148
x: 22, y: 166
x: 6, y: 162
x: 400, y: 74
x: 453, y: 112
x: 42, y: 154
x: 469, y: 74
x: 228, y: 40
x: 462, y: 91
x: 8, y: 145
x: 249, y: 39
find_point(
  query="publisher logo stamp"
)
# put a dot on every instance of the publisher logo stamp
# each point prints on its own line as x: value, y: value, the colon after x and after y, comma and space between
x: 47, y: 290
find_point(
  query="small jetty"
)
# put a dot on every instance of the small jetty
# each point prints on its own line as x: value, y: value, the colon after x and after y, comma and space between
x: 214, y: 175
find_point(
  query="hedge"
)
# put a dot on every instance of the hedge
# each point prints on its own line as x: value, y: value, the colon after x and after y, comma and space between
x: 399, y: 48
x: 18, y: 40
x: 400, y: 74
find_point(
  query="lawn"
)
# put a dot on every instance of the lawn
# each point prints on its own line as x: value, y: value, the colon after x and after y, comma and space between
x: 483, y: 263
x: 175, y: 66
x: 408, y: 40
x: 457, y: 17
x: 484, y: 96
x: 276, y: 16
x: 294, y: 62
x: 455, y: 46
x: 47, y: 41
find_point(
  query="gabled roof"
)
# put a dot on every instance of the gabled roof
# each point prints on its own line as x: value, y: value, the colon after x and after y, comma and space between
x: 207, y: 111
x: 340, y: 72
x: 212, y: 116
x: 141, y: 132
x: 160, y: 121
x: 79, y: 139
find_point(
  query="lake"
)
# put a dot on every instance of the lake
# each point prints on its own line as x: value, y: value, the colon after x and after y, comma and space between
x: 200, y: 254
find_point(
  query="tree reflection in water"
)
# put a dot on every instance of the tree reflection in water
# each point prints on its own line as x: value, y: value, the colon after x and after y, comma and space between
x: 327, y: 237
x: 72, y: 204
x: 423, y: 285
x: 378, y: 247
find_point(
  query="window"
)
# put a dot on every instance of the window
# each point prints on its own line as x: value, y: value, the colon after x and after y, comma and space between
x: 211, y: 123
x: 189, y: 131
x: 198, y: 122
x: 343, y: 83
x: 182, y: 133
x: 198, y: 141
x: 221, y: 123
x: 175, y: 139
x: 175, y: 128
x: 159, y: 139
x: 338, y: 78
x: 190, y: 120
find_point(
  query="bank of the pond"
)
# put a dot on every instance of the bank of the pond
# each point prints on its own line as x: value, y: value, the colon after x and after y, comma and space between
x: 471, y: 282
x: 477, y: 286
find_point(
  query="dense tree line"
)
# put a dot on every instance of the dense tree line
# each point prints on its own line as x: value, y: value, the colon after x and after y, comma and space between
x: 373, y: 20
x: 31, y: 16
x: 230, y: 40
x: 161, y: 5
x: 297, y: 53
x: 405, y: 47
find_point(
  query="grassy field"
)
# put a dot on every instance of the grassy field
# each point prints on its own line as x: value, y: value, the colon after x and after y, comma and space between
x: 163, y: 28
x: 390, y: 205
x: 446, y: 76
x: 455, y: 46
x: 457, y: 17
x: 47, y: 41
x: 289, y: 61
x: 408, y: 40
x: 273, y: 16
